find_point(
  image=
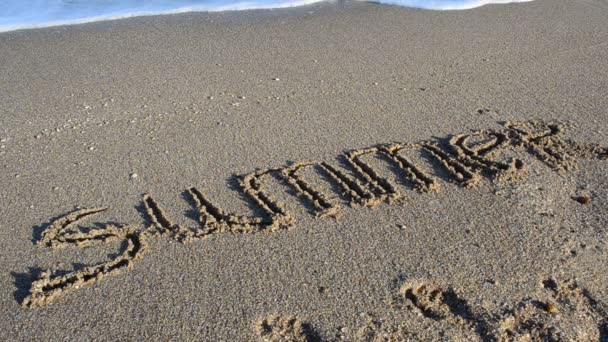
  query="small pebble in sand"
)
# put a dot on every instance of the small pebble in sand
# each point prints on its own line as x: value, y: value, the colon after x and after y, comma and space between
x: 133, y: 175
x: 583, y: 200
x: 551, y: 308
x: 91, y: 148
x: 55, y: 188
x: 276, y: 79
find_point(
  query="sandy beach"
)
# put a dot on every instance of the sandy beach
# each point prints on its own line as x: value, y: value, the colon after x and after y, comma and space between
x: 335, y: 172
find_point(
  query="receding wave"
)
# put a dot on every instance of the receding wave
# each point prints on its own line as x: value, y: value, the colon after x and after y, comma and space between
x: 23, y: 14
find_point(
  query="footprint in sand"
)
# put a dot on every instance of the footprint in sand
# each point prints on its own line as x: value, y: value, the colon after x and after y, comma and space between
x: 277, y: 328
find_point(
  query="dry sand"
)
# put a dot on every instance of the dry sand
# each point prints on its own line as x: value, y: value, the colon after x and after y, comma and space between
x: 438, y: 237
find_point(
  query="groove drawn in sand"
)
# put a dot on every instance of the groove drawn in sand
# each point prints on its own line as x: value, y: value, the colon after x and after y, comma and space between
x: 158, y: 218
x: 459, y: 172
x: 422, y: 182
x: 539, y: 139
x: 214, y: 220
x: 64, y: 232
x: 324, y: 207
x: 545, y: 141
x: 49, y: 286
x: 382, y: 188
x: 476, y: 154
x: 356, y: 192
x: 467, y: 158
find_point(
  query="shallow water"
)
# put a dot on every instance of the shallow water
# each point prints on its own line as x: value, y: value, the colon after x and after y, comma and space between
x: 21, y: 14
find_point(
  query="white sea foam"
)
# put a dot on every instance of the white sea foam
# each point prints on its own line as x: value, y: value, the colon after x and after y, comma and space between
x: 445, y: 4
x: 21, y: 14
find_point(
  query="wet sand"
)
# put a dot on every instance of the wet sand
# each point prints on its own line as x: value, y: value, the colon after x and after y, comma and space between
x: 343, y: 171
